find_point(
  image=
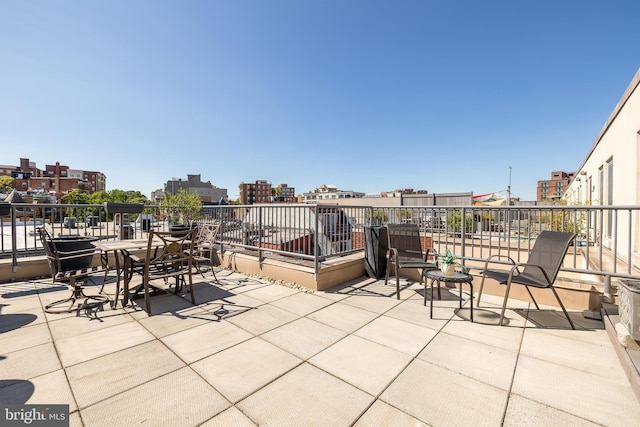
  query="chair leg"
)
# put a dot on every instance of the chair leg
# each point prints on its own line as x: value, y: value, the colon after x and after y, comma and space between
x: 75, y: 300
x: 193, y: 297
x: 147, y: 297
x: 214, y: 274
x: 397, y: 284
x: 480, y: 292
x: 563, y: 309
x: 504, y: 304
x: 104, y: 259
x: 386, y: 274
x: 532, y: 298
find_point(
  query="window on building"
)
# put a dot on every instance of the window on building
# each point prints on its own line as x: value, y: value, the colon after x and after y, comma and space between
x: 601, y: 185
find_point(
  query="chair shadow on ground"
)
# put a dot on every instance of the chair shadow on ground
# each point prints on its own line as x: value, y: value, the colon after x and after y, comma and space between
x: 23, y: 289
x: 9, y: 322
x: 543, y: 319
x: 15, y: 392
x: 212, y: 303
x: 554, y: 319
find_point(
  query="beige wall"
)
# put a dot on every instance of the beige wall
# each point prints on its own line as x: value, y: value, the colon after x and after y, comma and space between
x: 618, y: 141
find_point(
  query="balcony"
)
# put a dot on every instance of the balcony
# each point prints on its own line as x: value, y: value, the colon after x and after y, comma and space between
x: 346, y: 352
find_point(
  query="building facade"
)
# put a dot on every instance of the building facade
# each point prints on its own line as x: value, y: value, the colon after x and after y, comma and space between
x: 56, y: 179
x: 329, y: 192
x: 554, y: 188
x: 284, y: 194
x: 252, y: 193
x: 207, y: 192
x: 610, y: 173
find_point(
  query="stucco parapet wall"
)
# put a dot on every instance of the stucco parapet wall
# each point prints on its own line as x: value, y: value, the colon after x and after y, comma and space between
x: 331, y: 273
x: 574, y: 293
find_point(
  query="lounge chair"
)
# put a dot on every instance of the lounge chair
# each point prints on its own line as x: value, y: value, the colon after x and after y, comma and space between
x: 405, y: 251
x: 540, y: 270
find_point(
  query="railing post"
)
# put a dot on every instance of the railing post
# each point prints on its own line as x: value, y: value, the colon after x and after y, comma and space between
x: 316, y: 263
x: 607, y: 288
x: 463, y: 240
x: 14, y: 241
x: 260, y: 257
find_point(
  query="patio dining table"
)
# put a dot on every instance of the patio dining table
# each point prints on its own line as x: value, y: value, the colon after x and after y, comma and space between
x: 124, y: 247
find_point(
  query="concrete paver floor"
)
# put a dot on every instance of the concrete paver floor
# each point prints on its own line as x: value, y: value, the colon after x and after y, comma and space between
x: 255, y: 353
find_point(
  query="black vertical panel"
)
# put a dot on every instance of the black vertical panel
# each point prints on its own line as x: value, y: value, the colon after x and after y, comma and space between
x: 375, y: 251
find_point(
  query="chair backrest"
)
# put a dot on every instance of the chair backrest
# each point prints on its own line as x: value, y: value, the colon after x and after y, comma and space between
x: 67, y: 253
x: 170, y: 252
x: 206, y: 236
x: 548, y: 252
x: 405, y: 238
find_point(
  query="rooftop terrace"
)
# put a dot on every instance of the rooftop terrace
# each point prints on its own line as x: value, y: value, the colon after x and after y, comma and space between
x: 257, y: 353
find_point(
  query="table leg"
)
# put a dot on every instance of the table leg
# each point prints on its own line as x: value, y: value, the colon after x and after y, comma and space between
x: 426, y: 284
x: 127, y: 279
x: 118, y: 271
x: 471, y: 291
x: 431, y: 304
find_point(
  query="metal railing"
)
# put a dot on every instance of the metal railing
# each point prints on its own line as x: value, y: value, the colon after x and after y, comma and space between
x: 606, y: 246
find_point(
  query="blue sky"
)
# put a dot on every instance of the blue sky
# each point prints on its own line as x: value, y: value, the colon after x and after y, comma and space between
x: 369, y: 96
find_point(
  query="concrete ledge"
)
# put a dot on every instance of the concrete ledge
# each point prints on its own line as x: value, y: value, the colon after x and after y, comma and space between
x: 629, y: 356
x: 574, y: 295
x: 331, y: 273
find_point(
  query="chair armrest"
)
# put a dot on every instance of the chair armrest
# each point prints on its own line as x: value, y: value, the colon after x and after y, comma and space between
x: 80, y: 253
x: 524, y: 264
x: 135, y: 258
x: 426, y: 254
x: 493, y: 258
x: 393, y: 253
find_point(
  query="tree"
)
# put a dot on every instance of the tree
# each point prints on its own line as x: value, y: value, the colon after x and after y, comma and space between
x: 454, y: 222
x: 376, y: 216
x: 76, y: 197
x: 6, y: 183
x: 404, y: 214
x: 181, y: 208
x: 119, y: 196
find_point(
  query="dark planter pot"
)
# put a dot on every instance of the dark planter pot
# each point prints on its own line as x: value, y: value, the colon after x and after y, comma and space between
x: 179, y: 229
x: 70, y: 244
x: 5, y: 208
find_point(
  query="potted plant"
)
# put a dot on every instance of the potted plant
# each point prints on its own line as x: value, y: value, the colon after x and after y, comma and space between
x: 447, y: 262
x: 181, y: 209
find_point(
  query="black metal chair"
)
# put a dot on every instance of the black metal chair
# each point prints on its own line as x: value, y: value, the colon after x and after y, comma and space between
x: 167, y: 255
x: 70, y: 262
x: 540, y: 270
x: 405, y: 251
x: 204, y: 250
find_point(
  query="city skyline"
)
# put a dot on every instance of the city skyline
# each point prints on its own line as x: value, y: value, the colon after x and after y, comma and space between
x: 368, y: 96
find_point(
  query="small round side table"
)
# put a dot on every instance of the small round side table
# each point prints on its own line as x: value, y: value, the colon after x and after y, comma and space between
x: 439, y: 276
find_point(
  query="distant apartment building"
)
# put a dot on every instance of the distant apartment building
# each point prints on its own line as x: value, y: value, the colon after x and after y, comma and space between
x: 55, y: 179
x: 554, y: 188
x: 207, y: 192
x: 284, y: 194
x: 252, y: 193
x: 329, y: 192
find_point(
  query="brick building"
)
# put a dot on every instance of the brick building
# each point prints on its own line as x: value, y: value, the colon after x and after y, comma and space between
x: 54, y: 179
x: 554, y: 188
x: 251, y: 193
